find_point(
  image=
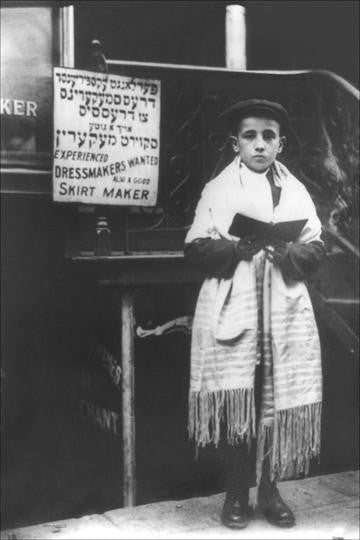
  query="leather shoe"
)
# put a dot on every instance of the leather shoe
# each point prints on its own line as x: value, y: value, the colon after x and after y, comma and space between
x: 274, y: 508
x: 236, y: 511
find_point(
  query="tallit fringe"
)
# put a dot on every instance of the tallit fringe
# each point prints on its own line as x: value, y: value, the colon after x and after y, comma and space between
x: 264, y: 441
x: 292, y: 442
x: 208, y: 410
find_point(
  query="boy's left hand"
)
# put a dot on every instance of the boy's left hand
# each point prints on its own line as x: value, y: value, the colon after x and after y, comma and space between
x: 277, y: 251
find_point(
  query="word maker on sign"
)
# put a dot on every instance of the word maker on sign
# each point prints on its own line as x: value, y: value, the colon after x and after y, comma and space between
x: 18, y: 107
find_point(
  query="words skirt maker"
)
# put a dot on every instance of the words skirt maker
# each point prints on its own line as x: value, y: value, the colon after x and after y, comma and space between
x: 115, y: 169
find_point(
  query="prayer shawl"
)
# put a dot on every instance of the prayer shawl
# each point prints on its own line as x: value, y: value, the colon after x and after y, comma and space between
x: 257, y: 315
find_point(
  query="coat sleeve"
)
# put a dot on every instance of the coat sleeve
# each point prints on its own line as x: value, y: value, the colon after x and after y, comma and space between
x: 303, y: 260
x: 212, y: 257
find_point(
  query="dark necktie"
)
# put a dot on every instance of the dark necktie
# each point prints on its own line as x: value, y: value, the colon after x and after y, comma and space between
x: 275, y: 190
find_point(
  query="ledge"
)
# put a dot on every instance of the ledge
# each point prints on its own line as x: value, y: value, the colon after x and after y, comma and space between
x: 139, y: 268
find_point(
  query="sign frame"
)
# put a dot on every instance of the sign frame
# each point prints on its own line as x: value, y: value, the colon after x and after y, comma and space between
x: 111, y: 154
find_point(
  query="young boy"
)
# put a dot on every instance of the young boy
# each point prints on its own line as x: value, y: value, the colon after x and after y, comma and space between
x: 255, y: 355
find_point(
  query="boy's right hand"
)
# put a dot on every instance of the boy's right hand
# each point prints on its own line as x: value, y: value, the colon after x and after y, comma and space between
x: 247, y: 247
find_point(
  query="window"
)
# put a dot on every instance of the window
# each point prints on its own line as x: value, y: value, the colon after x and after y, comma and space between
x: 29, y: 49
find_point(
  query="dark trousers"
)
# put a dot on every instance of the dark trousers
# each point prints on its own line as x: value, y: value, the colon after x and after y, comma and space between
x: 241, y: 459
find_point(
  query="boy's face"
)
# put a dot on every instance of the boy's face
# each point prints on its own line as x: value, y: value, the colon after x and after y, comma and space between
x: 258, y: 142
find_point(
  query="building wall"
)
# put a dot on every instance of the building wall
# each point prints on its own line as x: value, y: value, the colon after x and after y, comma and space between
x: 281, y: 35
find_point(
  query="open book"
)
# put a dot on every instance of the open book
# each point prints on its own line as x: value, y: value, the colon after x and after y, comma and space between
x: 288, y: 231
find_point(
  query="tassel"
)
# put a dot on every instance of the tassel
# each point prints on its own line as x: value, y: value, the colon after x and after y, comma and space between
x: 208, y: 410
x: 292, y: 442
x: 264, y: 438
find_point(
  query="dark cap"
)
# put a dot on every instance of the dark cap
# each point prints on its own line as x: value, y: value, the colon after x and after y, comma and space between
x: 248, y: 107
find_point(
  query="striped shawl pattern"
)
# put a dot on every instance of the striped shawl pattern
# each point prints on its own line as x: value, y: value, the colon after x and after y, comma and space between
x: 257, y: 316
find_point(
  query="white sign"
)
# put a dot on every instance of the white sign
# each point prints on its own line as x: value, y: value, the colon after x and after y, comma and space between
x: 106, y: 138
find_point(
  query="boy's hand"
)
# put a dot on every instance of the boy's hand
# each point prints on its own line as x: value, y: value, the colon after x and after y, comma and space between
x: 247, y: 247
x: 277, y: 251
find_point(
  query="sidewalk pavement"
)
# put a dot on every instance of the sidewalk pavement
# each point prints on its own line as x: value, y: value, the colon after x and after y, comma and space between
x: 326, y: 507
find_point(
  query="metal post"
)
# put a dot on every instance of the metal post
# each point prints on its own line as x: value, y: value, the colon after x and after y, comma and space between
x: 67, y: 37
x: 128, y: 397
x: 235, y: 35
